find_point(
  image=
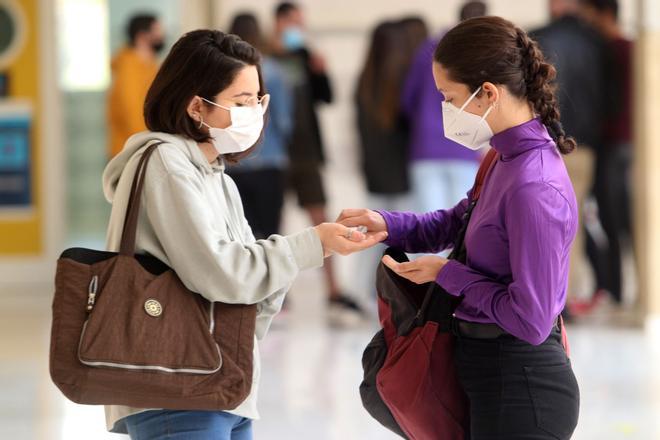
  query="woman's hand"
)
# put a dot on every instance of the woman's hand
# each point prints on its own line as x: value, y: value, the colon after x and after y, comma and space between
x: 422, y: 270
x: 363, y: 217
x: 343, y: 240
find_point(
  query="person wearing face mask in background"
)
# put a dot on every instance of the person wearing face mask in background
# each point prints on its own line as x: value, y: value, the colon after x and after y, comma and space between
x: 206, y: 107
x: 261, y: 178
x: 133, y: 69
x: 509, y: 350
x: 305, y: 71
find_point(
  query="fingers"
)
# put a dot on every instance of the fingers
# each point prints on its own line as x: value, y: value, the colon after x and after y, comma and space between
x: 345, y: 240
x: 400, y: 268
x: 348, y: 213
x: 374, y: 238
x: 370, y: 240
x: 350, y: 246
x: 350, y: 233
x: 362, y: 220
x: 409, y: 271
x: 354, y: 235
x: 391, y: 263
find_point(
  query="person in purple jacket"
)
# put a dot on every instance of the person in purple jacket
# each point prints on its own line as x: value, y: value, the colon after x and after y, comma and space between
x: 441, y: 171
x: 509, y: 353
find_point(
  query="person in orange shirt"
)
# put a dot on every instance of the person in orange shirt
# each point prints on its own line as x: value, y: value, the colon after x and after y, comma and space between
x: 133, y: 69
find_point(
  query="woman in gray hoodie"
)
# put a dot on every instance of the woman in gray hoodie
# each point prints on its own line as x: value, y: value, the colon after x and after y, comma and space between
x: 207, y: 106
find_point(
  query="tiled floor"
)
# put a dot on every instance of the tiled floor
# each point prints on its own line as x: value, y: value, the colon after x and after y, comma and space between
x: 311, y: 374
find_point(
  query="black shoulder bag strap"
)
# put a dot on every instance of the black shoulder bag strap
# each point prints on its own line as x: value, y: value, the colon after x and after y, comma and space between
x: 438, y: 305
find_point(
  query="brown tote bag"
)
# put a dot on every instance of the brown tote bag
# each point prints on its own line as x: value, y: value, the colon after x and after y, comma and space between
x: 126, y: 331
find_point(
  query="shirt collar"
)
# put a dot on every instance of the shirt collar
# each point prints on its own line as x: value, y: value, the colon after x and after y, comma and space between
x: 521, y: 138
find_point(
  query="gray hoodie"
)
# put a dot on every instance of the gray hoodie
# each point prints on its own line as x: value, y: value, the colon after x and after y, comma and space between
x: 191, y: 218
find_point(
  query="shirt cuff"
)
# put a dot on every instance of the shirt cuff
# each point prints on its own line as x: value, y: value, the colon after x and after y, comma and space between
x: 394, y: 230
x: 452, y: 277
x: 306, y: 248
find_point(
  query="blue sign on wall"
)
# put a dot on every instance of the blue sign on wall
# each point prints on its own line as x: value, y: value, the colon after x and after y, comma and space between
x: 15, y: 179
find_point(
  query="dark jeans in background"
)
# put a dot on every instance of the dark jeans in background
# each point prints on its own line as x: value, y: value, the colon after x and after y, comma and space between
x: 262, y: 193
x: 612, y: 193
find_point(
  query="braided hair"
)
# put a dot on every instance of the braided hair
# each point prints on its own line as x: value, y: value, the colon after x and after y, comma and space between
x: 494, y: 49
x: 540, y: 89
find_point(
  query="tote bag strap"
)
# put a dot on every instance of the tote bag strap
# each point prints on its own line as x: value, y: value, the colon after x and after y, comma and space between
x: 128, y: 235
x: 486, y: 165
x: 484, y: 169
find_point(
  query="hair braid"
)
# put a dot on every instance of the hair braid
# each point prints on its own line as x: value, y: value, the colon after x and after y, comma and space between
x: 540, y: 91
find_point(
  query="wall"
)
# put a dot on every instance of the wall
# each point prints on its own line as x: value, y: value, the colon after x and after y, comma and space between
x: 22, y: 234
x: 28, y: 246
x: 647, y: 164
x: 86, y: 127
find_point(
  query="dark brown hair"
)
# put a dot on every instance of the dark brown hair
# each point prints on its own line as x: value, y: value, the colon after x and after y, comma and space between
x: 284, y: 8
x: 472, y: 9
x: 246, y: 26
x: 416, y: 32
x: 202, y: 63
x: 379, y: 84
x: 138, y: 24
x: 495, y: 50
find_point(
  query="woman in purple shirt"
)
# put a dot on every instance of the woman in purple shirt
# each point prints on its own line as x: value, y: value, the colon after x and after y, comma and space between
x: 509, y: 354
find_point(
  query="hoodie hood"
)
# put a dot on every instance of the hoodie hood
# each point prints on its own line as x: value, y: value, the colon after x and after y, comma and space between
x: 134, y: 145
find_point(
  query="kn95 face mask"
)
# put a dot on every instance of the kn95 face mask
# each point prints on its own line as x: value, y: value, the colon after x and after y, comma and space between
x: 465, y: 128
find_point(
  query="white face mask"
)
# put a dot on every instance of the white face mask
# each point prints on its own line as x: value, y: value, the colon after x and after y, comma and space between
x: 245, y: 129
x: 470, y: 130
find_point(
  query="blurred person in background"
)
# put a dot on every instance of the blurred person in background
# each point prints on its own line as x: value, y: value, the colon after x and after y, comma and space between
x: 583, y: 65
x: 382, y: 127
x: 207, y: 106
x: 509, y: 354
x: 306, y: 73
x: 441, y: 171
x: 133, y: 69
x: 613, y: 166
x: 261, y: 178
x: 416, y: 32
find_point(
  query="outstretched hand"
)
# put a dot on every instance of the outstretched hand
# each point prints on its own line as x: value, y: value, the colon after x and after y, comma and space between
x: 420, y: 271
x: 363, y: 217
x: 340, y: 239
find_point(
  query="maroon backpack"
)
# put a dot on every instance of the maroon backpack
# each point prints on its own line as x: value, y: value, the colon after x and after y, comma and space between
x: 410, y: 382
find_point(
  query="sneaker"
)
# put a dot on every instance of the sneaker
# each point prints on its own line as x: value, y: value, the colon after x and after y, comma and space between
x: 344, y: 312
x: 578, y: 308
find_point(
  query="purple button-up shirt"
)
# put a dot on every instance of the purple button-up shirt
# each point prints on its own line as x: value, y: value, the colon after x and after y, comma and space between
x: 518, y: 239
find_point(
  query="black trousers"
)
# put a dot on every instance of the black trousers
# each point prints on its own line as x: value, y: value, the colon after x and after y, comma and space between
x: 518, y: 391
x: 612, y: 192
x: 262, y: 193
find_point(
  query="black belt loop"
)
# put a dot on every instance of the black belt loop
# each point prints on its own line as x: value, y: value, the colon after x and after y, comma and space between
x: 453, y: 327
